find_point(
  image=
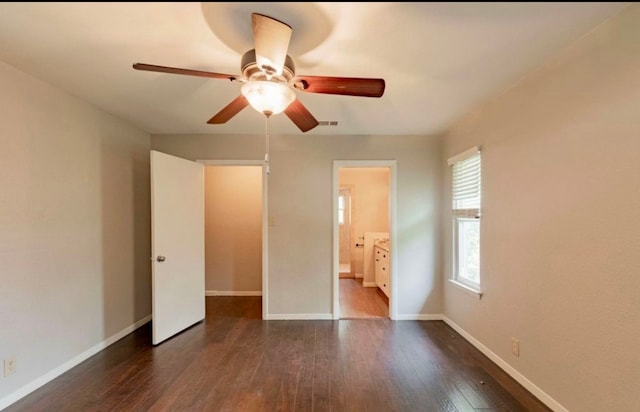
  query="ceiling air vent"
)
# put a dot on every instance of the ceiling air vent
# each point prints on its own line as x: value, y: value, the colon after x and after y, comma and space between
x: 328, y: 123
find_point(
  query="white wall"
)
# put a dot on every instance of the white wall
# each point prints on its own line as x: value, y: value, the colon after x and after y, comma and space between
x: 74, y: 228
x: 370, y: 201
x: 560, y: 236
x: 300, y: 210
x: 233, y: 228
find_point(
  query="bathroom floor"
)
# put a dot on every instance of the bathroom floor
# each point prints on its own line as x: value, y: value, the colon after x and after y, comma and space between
x: 358, y: 302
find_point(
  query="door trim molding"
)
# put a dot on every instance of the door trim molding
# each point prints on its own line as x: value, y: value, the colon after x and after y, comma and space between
x: 392, y: 165
x: 265, y: 228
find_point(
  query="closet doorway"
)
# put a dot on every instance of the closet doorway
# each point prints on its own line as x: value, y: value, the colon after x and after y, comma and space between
x: 235, y: 229
x: 364, y: 217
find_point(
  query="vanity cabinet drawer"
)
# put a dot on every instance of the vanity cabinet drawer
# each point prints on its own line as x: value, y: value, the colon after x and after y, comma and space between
x: 382, y: 268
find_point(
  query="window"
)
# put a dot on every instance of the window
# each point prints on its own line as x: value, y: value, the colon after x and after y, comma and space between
x: 465, y: 194
x: 341, y: 204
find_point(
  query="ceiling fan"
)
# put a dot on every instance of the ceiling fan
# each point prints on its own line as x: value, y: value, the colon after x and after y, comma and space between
x: 270, y: 80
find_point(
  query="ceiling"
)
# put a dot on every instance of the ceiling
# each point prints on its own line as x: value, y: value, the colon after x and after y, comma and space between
x: 439, y: 60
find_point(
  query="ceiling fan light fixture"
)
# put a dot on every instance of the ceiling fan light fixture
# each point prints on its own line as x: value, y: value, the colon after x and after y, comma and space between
x: 269, y: 78
x: 268, y: 97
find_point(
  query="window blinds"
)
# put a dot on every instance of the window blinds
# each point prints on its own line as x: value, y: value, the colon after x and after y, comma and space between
x: 466, y: 182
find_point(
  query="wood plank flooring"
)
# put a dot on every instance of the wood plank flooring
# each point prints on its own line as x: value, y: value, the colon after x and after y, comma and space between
x: 234, y: 361
x: 358, y: 302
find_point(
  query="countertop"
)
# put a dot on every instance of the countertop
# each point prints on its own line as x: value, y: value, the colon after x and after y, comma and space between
x: 382, y: 244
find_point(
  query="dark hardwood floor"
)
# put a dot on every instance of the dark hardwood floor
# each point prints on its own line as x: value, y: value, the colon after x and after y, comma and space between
x: 234, y: 361
x: 358, y: 302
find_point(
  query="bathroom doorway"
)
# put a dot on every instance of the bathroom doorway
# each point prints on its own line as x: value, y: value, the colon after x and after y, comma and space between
x: 364, y: 216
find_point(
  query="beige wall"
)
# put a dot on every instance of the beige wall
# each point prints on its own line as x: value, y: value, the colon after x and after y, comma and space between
x: 561, y: 222
x: 75, y: 231
x: 300, y: 209
x: 370, y: 198
x: 233, y: 228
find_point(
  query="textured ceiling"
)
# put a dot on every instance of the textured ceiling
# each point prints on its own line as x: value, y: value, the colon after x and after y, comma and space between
x: 439, y: 60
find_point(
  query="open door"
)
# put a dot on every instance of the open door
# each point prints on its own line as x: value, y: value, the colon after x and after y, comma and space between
x: 177, y: 244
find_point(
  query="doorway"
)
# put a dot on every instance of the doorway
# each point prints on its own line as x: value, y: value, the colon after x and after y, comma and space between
x: 370, y: 189
x: 235, y: 229
x: 178, y: 241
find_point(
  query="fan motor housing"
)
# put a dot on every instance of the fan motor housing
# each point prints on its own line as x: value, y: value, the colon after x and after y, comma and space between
x: 251, y: 71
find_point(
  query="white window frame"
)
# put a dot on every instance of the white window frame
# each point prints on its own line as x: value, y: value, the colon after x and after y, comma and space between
x: 460, y: 215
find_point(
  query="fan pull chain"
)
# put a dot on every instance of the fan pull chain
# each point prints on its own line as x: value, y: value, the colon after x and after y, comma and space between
x: 266, y: 144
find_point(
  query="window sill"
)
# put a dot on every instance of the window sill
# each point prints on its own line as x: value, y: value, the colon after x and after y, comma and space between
x: 466, y: 288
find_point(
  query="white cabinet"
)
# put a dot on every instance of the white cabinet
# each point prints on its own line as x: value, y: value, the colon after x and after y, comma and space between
x: 382, y: 268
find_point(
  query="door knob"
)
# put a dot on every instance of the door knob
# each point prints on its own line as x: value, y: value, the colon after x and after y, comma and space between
x: 160, y: 258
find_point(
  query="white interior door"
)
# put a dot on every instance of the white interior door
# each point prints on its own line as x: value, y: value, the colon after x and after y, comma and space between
x: 177, y: 244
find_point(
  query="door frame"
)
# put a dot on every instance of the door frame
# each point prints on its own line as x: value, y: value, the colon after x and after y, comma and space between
x: 392, y: 165
x: 265, y: 214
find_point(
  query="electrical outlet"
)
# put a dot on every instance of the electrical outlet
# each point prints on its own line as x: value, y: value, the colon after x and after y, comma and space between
x: 10, y: 366
x: 515, y: 347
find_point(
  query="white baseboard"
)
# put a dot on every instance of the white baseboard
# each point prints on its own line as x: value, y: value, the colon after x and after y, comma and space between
x: 359, y: 275
x: 530, y: 386
x: 419, y: 316
x: 370, y: 284
x: 299, y: 316
x: 233, y: 293
x: 52, y: 374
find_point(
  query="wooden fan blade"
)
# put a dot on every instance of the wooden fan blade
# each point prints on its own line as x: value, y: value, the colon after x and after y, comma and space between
x: 271, y: 38
x: 301, y: 116
x: 230, y: 110
x: 349, y: 86
x: 188, y: 72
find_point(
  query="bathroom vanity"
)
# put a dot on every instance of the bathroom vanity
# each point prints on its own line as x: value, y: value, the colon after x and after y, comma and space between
x: 382, y: 268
